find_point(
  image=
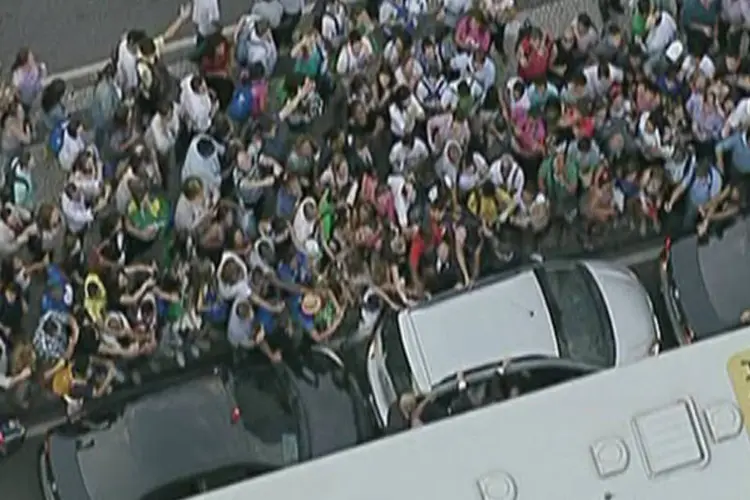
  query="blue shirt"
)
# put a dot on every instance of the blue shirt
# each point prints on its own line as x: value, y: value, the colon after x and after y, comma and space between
x: 739, y: 152
x: 700, y: 190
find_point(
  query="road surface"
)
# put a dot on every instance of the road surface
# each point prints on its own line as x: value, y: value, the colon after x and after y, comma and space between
x: 72, y: 33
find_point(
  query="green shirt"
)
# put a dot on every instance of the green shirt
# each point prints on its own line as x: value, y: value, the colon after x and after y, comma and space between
x: 557, y: 184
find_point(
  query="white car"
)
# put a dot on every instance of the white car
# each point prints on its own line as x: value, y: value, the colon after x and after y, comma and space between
x: 579, y: 315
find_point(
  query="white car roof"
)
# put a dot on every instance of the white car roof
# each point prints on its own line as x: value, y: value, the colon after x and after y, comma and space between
x: 503, y: 319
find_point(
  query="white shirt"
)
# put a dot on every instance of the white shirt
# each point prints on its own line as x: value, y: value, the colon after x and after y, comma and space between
x: 162, y: 133
x: 230, y: 291
x: 388, y: 12
x: 77, y: 214
x: 597, y: 87
x: 350, y: 63
x: 401, y: 203
x: 430, y: 92
x: 303, y: 228
x: 333, y: 24
x: 404, y: 158
x: 188, y: 214
x: 197, y: 108
x: 205, y: 13
x: 513, y: 182
x: 740, y: 116
x: 70, y: 150
x: 404, y: 120
x: 661, y: 35
x: 127, y: 74
x: 484, y: 76
x: 449, y: 100
x: 239, y: 330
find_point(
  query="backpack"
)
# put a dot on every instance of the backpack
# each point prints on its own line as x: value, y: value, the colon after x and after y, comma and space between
x: 163, y: 85
x: 11, y: 179
x: 240, y: 107
x: 56, y: 138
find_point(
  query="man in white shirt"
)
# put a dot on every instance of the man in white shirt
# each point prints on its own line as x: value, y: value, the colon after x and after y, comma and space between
x: 601, y: 77
x: 476, y: 66
x: 164, y: 128
x: 431, y: 89
x: 404, y: 196
x: 196, y: 105
x: 334, y: 24
x: 78, y: 215
x: 355, y: 56
x: 127, y: 55
x: 203, y: 161
x: 407, y: 154
x: 662, y: 30
x: 205, y: 15
x: 405, y: 111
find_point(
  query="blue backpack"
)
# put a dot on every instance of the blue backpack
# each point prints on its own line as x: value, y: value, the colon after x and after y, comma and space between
x: 56, y: 138
x: 241, y: 106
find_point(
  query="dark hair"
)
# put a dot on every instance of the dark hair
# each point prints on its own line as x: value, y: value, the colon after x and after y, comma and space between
x: 22, y: 57
x: 355, y: 36
x: 147, y: 47
x: 108, y: 71
x: 53, y: 94
x: 73, y: 125
x: 205, y: 147
x: 135, y: 36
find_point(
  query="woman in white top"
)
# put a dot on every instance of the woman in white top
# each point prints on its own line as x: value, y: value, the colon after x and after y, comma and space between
x: 196, y: 103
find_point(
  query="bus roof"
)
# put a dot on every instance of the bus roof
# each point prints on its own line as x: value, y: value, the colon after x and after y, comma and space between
x: 661, y: 428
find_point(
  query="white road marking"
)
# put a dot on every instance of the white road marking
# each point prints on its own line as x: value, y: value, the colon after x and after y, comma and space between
x: 90, y: 70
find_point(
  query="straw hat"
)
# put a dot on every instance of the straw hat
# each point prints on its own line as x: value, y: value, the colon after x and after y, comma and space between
x: 311, y: 303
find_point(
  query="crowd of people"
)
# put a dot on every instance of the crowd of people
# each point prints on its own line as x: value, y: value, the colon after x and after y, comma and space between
x: 308, y: 175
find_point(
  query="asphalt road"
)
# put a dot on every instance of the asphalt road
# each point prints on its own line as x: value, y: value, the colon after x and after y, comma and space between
x: 72, y: 33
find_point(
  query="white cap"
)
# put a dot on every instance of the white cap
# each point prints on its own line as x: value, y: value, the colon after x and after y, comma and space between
x: 674, y: 51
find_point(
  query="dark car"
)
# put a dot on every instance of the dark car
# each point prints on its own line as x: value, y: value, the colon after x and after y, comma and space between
x: 705, y: 282
x: 206, y: 433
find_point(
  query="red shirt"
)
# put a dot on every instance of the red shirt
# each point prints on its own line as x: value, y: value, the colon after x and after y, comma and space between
x: 217, y: 62
x: 537, y: 61
x: 419, y: 245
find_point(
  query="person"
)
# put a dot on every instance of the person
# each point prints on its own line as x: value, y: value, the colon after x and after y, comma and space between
x: 54, y: 340
x: 205, y: 15
x: 28, y: 76
x: 700, y: 189
x: 14, y: 384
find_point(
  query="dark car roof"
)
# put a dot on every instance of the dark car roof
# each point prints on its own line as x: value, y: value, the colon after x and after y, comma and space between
x: 335, y: 412
x: 165, y: 437
x: 713, y: 278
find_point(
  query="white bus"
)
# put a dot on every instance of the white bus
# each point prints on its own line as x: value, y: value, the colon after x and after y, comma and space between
x: 670, y: 427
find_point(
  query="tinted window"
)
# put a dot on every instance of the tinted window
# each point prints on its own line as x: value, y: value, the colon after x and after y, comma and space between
x: 210, y: 481
x: 582, y: 325
x: 395, y: 355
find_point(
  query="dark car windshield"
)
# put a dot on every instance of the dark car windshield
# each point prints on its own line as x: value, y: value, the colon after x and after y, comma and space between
x: 582, y: 326
x: 395, y: 355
